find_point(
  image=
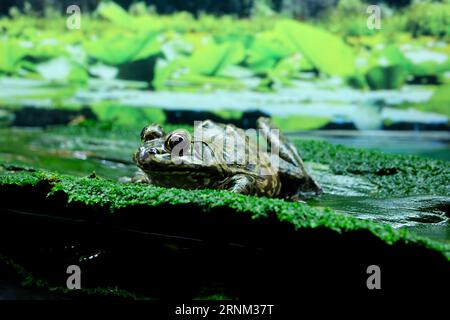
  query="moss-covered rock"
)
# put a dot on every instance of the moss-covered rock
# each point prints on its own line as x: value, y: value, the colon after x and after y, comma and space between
x: 229, y: 237
x: 112, y: 196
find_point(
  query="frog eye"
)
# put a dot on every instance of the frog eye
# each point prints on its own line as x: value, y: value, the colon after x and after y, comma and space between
x: 175, y: 139
x: 151, y: 132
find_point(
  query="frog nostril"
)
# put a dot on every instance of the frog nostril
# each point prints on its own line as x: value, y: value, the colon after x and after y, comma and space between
x: 142, y: 153
x: 153, y: 151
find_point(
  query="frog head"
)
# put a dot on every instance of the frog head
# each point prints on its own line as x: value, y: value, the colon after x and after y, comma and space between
x: 174, y: 159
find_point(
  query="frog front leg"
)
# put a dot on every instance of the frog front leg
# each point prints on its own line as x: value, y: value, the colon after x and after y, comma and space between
x: 239, y: 183
x: 140, y: 177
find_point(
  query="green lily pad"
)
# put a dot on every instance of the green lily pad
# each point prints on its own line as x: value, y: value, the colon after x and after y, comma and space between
x: 389, y: 69
x: 119, y: 48
x: 325, y: 51
x: 11, y: 53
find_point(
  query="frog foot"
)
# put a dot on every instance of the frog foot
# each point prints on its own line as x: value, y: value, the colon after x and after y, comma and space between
x: 239, y: 183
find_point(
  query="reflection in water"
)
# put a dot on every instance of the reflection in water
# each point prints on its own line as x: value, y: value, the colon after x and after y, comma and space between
x: 68, y: 154
x: 425, y: 215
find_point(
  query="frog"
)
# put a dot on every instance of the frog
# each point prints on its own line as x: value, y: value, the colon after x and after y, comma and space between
x: 224, y: 157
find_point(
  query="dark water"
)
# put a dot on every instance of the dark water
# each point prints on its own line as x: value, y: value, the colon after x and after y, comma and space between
x: 423, y: 215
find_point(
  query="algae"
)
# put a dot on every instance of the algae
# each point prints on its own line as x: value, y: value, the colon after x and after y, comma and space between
x: 394, y: 175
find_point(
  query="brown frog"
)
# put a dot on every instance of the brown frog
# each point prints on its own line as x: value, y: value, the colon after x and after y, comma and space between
x: 224, y: 157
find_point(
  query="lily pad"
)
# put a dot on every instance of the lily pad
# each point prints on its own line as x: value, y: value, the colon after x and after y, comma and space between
x: 389, y: 69
x: 11, y: 53
x: 118, y: 48
x: 327, y: 52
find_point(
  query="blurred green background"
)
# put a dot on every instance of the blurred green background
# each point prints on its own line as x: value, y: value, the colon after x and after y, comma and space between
x: 315, y: 67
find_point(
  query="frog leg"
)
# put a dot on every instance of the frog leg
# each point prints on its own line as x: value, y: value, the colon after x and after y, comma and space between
x: 287, y: 150
x: 291, y: 167
x: 140, y: 177
x: 295, y: 185
x: 239, y: 183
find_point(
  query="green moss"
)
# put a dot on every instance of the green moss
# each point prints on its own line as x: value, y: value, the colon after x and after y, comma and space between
x: 218, y: 296
x: 394, y: 175
x: 98, y: 192
x: 23, y: 177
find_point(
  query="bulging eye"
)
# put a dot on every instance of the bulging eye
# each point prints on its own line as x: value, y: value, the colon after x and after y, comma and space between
x: 151, y: 132
x: 175, y: 139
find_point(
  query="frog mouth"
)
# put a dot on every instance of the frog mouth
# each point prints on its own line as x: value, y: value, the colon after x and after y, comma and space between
x: 177, y: 168
x: 164, y: 163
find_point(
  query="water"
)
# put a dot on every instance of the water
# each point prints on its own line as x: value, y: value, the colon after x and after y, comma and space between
x: 65, y: 153
x: 423, y: 215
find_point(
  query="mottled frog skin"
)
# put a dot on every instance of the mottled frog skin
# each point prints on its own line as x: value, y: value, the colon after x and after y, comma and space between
x: 224, y: 157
